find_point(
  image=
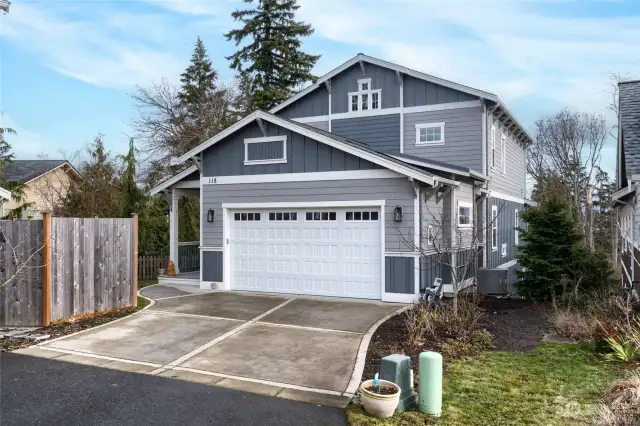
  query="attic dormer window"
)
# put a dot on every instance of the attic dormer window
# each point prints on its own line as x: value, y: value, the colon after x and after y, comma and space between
x: 365, y: 98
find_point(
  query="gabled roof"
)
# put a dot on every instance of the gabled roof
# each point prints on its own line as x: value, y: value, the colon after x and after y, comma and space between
x: 440, y: 166
x: 350, y: 146
x: 629, y: 122
x: 399, y: 68
x: 24, y: 171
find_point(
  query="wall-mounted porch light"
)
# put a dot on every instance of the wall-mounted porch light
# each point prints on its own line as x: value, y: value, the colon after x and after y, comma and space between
x: 397, y: 214
x: 211, y: 215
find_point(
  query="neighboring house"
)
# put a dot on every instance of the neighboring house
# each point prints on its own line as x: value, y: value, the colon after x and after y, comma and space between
x: 627, y: 196
x: 5, y: 196
x: 45, y: 184
x: 330, y: 192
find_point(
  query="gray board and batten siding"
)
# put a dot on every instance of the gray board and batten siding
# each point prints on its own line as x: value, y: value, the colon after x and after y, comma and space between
x: 395, y: 191
x: 506, y: 231
x: 416, y: 92
x: 462, y: 136
x: 212, y: 266
x: 399, y: 274
x: 381, y: 132
x: 304, y: 155
x: 513, y: 182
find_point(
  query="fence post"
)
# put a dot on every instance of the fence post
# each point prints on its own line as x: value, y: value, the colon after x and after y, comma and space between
x: 135, y: 259
x: 46, y: 264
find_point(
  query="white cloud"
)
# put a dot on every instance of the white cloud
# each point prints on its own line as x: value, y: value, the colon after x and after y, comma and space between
x: 26, y: 145
x: 111, y: 50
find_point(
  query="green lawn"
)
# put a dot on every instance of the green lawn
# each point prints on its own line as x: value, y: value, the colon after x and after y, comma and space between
x: 554, y: 385
x: 145, y: 283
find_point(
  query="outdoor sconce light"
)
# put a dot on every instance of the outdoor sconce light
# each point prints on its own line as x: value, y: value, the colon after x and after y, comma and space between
x: 397, y: 214
x: 211, y: 215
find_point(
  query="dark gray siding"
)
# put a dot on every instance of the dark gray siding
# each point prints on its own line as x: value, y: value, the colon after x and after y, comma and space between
x: 314, y: 104
x: 382, y: 132
x: 513, y: 182
x: 265, y: 151
x: 347, y: 81
x: 430, y: 269
x: 506, y: 231
x: 226, y: 158
x: 420, y: 92
x: 396, y: 192
x: 462, y: 136
x: 212, y: 266
x: 399, y: 275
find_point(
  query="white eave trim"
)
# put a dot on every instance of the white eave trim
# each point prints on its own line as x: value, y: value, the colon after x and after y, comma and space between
x: 6, y: 194
x: 389, y: 65
x: 167, y: 183
x: 471, y: 173
x: 66, y: 163
x: 623, y: 192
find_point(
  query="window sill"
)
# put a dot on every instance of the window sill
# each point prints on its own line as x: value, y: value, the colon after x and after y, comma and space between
x: 465, y: 226
x: 429, y: 143
x: 261, y: 162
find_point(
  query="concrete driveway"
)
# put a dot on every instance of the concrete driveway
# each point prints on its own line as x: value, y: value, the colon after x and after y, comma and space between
x: 302, y: 348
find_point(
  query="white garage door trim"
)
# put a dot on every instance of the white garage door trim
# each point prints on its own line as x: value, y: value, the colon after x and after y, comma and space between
x: 226, y: 228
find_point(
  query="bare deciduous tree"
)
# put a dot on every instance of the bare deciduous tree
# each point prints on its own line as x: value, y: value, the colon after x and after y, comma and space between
x: 19, y: 255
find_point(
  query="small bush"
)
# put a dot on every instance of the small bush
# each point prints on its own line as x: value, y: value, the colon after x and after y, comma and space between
x: 572, y: 323
x: 418, y: 323
x: 624, y: 341
x: 621, y: 405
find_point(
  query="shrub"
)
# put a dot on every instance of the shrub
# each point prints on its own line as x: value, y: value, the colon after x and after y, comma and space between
x: 478, y: 341
x: 621, y: 403
x: 572, y: 323
x: 625, y: 341
x: 418, y: 323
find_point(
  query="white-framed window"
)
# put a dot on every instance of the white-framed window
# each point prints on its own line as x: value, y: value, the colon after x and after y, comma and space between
x: 430, y: 134
x: 504, y: 250
x: 320, y: 216
x: 465, y: 214
x: 359, y: 216
x: 493, y: 146
x: 266, y: 150
x: 503, y: 154
x: 246, y: 217
x: 365, y: 98
x: 516, y: 220
x: 280, y: 216
x: 494, y: 228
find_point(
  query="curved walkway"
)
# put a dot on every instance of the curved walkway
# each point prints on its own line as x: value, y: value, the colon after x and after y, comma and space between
x: 293, y: 347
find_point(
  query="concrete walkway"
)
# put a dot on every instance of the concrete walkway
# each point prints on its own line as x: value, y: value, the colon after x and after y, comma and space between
x: 301, y: 348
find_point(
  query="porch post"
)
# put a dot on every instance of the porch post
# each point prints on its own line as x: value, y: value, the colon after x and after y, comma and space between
x: 173, y: 229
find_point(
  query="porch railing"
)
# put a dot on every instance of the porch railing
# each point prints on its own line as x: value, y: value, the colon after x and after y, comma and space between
x: 189, y: 256
x: 148, y: 266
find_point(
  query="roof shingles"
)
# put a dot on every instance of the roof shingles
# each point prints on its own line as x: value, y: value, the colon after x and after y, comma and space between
x: 25, y: 170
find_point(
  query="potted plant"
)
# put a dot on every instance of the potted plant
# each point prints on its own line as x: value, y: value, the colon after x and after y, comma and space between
x: 380, y: 397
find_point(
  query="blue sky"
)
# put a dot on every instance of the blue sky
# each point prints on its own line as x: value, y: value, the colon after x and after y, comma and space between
x: 67, y: 67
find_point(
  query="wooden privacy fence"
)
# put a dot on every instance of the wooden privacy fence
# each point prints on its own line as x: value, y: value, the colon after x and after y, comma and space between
x: 80, y: 266
x: 148, y: 266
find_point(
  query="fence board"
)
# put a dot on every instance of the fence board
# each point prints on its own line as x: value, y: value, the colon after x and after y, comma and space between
x: 21, y: 298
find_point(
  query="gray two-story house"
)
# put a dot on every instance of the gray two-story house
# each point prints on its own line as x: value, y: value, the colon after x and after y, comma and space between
x: 352, y: 186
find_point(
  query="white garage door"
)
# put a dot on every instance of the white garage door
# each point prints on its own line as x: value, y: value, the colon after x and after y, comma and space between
x: 331, y: 252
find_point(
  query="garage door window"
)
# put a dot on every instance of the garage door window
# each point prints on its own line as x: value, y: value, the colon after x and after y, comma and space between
x: 327, y: 216
x: 283, y: 216
x: 361, y: 215
x: 246, y: 216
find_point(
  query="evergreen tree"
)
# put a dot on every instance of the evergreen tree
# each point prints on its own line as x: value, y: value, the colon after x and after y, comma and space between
x: 272, y: 61
x: 17, y: 189
x: 546, y: 257
x: 130, y: 194
x: 199, y: 80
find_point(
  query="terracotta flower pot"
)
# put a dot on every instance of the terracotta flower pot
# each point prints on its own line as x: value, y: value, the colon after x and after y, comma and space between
x: 379, y: 405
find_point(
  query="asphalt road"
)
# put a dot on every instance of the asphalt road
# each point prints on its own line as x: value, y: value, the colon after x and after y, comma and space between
x: 37, y: 391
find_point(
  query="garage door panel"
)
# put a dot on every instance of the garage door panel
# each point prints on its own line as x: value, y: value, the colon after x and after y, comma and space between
x: 315, y: 252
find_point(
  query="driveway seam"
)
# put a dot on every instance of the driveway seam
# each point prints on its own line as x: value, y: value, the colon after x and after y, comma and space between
x: 301, y: 327
x: 182, y: 314
x: 226, y: 335
x: 92, y: 355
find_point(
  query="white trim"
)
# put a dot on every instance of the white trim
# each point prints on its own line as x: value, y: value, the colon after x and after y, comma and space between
x: 385, y: 64
x: 187, y: 184
x: 302, y: 177
x: 383, y: 244
x: 202, y: 222
x: 305, y: 204
x: 226, y: 250
x: 417, y: 219
x: 500, y: 195
x: 507, y: 265
x: 247, y: 141
x: 494, y: 225
x: 421, y: 126
x: 470, y: 207
x: 484, y: 141
x: 399, y: 297
x: 503, y: 154
x: 304, y: 131
x: 402, y: 254
x: 389, y: 111
x: 370, y: 107
x: 6, y: 194
x: 169, y: 182
x: 426, y: 163
x: 315, y: 119
x: 362, y: 81
x: 516, y: 220
x: 401, y: 113
x: 329, y: 116
x: 174, y: 227
x: 211, y: 249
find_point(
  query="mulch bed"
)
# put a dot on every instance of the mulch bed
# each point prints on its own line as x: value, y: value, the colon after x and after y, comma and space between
x: 62, y: 329
x: 516, y: 325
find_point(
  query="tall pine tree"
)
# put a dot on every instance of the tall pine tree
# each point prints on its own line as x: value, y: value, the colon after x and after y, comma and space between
x: 199, y: 80
x: 272, y: 62
x: 131, y: 195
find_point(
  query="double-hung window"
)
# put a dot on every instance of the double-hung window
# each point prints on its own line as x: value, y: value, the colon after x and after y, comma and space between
x: 494, y: 228
x: 465, y: 214
x: 365, y: 98
x: 266, y: 150
x: 430, y: 134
